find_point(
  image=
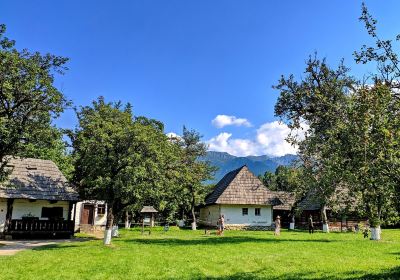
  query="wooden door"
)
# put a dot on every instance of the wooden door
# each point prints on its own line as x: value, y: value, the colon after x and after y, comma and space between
x: 87, y: 214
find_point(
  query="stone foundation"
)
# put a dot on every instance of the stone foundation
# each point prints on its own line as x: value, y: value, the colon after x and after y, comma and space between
x: 247, y: 227
x: 91, y: 228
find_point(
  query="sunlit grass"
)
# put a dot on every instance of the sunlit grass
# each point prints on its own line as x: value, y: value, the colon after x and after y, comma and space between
x: 184, y: 254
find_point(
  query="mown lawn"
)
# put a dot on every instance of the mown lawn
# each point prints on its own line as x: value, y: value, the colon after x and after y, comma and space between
x: 183, y: 254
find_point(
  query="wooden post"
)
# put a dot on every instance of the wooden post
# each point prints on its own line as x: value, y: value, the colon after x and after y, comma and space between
x: 73, y: 218
x: 70, y: 205
x: 7, y: 225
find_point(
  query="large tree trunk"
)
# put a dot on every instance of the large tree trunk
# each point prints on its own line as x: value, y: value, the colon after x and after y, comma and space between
x: 127, y: 220
x: 194, y: 223
x: 325, y: 222
x: 109, y: 225
x: 376, y: 233
x: 376, y: 224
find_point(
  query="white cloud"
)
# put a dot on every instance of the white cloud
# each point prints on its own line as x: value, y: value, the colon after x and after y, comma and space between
x: 269, y: 140
x: 223, y: 120
x: 173, y: 136
x: 237, y: 147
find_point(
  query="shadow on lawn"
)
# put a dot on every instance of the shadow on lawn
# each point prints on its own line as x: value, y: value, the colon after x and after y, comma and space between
x: 220, y: 240
x: 390, y: 274
x: 72, y: 243
x: 54, y: 247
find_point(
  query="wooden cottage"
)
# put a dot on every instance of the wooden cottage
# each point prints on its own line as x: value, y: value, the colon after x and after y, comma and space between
x: 243, y: 200
x: 36, y: 200
x: 342, y: 218
x: 90, y: 216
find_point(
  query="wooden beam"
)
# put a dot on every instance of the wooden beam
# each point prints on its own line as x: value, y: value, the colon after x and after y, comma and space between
x: 73, y: 218
x: 70, y: 205
x: 10, y: 202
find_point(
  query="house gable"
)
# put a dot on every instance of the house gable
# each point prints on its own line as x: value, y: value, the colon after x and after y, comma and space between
x: 241, y: 186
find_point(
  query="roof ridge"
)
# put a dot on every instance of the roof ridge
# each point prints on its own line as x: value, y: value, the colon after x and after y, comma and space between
x: 245, y: 188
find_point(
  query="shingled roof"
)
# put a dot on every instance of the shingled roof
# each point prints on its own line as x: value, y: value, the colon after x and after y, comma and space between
x: 241, y: 186
x: 287, y: 200
x: 148, y: 209
x: 310, y: 202
x: 36, y: 179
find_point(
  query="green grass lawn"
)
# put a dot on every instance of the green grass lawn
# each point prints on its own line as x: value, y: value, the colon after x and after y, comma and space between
x: 184, y: 254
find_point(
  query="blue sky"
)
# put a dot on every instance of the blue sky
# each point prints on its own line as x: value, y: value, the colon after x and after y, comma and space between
x: 186, y: 62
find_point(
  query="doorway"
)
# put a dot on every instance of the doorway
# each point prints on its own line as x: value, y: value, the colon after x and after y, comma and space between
x: 87, y: 214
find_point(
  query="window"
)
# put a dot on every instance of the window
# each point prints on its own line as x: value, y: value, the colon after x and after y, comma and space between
x: 52, y: 213
x: 101, y: 209
x: 257, y: 211
x: 245, y: 211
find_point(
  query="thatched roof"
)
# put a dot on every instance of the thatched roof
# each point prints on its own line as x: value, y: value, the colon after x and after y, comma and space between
x: 241, y: 186
x: 36, y: 179
x: 148, y: 209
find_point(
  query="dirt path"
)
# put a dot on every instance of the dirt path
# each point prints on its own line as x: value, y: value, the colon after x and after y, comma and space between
x: 14, y: 246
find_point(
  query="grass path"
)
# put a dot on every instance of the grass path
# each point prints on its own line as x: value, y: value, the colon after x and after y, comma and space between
x: 183, y: 254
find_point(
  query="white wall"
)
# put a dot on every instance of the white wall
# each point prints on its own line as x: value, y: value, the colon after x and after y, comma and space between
x: 3, y: 212
x: 23, y: 207
x: 99, y: 220
x: 233, y: 215
x: 209, y: 215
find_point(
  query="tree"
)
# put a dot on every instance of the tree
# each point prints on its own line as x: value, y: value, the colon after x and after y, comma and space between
x: 383, y: 54
x: 195, y: 171
x: 123, y: 160
x: 354, y: 129
x: 28, y: 98
x: 373, y: 130
x: 285, y: 178
x: 374, y: 156
x: 269, y: 180
x: 318, y: 102
x: 47, y: 143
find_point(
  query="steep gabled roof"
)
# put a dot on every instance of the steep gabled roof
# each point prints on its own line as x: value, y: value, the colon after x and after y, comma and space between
x: 36, y: 179
x: 241, y: 186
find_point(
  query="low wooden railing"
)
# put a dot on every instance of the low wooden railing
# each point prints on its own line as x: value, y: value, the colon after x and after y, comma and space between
x: 41, y: 226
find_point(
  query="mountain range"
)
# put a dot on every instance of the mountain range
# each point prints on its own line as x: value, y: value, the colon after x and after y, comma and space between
x: 257, y: 164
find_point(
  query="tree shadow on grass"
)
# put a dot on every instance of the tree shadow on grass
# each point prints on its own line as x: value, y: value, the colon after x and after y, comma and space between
x: 72, y: 243
x: 54, y: 247
x: 389, y: 274
x: 220, y: 240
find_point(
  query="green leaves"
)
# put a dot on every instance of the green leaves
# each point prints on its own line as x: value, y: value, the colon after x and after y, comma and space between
x: 125, y: 160
x: 28, y: 98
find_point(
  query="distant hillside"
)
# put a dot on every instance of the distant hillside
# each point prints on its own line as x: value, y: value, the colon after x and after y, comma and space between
x: 257, y: 164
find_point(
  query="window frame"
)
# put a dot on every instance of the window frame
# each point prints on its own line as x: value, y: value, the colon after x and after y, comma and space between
x: 48, y: 212
x: 245, y: 211
x: 257, y: 210
x: 103, y: 211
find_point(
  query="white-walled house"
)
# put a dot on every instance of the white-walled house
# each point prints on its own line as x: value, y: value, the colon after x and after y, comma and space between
x: 36, y: 200
x: 243, y: 200
x: 90, y: 215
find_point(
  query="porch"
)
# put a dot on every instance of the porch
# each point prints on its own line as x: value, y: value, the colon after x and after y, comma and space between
x: 40, y: 228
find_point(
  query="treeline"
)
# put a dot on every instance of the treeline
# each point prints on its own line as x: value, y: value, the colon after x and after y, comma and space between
x: 112, y: 155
